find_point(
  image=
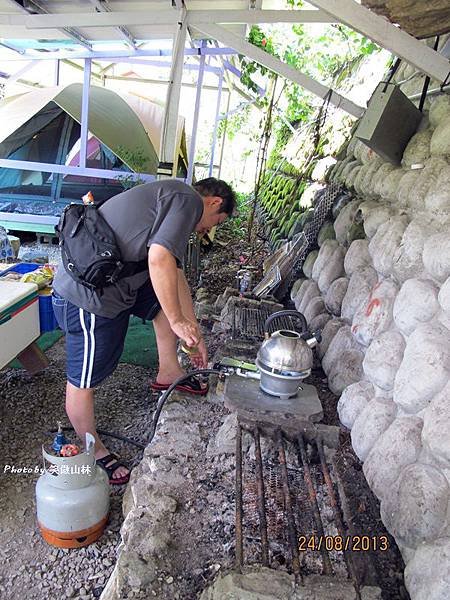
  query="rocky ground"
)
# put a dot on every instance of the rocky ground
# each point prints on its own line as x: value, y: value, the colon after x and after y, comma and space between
x: 29, y: 407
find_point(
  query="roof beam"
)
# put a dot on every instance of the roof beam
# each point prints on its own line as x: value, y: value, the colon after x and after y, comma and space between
x: 72, y: 33
x: 116, y: 55
x: 169, y: 17
x: 277, y: 66
x: 381, y: 31
x: 103, y: 6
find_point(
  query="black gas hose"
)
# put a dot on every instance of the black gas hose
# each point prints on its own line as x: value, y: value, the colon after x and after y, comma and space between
x: 162, y: 399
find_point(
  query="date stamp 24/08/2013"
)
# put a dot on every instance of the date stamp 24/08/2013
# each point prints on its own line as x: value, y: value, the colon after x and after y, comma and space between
x: 351, y: 543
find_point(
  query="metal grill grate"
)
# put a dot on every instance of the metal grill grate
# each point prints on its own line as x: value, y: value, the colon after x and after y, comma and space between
x: 277, y: 501
x: 248, y: 323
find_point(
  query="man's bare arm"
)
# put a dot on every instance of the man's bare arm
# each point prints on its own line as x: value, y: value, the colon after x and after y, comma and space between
x: 164, y: 277
x: 199, y: 360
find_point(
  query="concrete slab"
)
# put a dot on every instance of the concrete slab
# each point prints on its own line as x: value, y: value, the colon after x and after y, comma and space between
x: 245, y: 395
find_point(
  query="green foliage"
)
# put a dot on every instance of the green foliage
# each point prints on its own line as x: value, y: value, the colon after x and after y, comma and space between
x: 136, y: 160
x: 258, y: 38
x: 236, y: 225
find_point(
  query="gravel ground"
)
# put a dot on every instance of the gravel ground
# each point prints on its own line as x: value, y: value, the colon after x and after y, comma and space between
x: 30, y: 406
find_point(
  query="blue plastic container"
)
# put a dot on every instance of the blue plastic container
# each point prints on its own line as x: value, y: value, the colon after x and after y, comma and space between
x: 47, y: 321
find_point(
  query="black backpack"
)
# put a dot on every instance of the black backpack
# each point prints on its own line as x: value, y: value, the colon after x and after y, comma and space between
x: 89, y: 250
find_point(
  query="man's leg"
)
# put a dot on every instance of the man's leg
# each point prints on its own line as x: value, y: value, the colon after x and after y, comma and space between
x: 93, y: 348
x: 80, y: 410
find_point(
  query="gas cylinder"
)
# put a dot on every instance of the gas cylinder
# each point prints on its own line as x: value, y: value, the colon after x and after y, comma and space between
x: 72, y: 498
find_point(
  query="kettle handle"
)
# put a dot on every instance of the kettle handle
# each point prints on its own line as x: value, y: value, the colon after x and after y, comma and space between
x: 285, y: 313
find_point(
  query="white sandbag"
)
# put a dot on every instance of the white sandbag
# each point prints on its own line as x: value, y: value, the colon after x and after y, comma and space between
x: 332, y: 270
x: 439, y: 110
x: 436, y: 255
x: 357, y: 182
x: 345, y: 219
x: 326, y: 232
x: 357, y: 257
x: 444, y: 296
x: 423, y: 573
x: 399, y: 446
x: 370, y: 424
x: 367, y: 182
x: 310, y: 291
x: 437, y: 200
x: 325, y: 253
x: 328, y: 333
x: 427, y: 178
x: 350, y: 178
x: 363, y: 153
x: 319, y: 322
x: 407, y: 258
x: 347, y: 169
x: 301, y: 292
x: 347, y: 369
x: 295, y: 287
x: 415, y: 506
x: 388, y: 189
x: 385, y: 242
x: 341, y: 342
x: 374, y: 216
x: 405, y: 187
x: 309, y: 263
x: 335, y: 295
x: 374, y: 315
x: 383, y: 358
x: 436, y: 427
x: 418, y: 149
x: 361, y: 283
x: 417, y: 302
x: 380, y: 177
x: 425, y: 368
x: 440, y: 140
x: 353, y: 401
x: 315, y: 307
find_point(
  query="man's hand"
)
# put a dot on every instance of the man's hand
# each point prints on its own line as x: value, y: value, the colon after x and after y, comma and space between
x: 200, y: 359
x: 187, y: 331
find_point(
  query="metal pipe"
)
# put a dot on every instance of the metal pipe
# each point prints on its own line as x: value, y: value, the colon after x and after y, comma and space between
x: 303, y: 461
x: 216, y: 125
x: 337, y: 513
x: 85, y: 112
x: 239, y: 502
x: 261, y: 499
x: 292, y: 531
x: 432, y: 92
x: 198, y: 96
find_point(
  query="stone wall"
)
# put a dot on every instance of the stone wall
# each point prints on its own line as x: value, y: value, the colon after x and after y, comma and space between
x: 379, y: 286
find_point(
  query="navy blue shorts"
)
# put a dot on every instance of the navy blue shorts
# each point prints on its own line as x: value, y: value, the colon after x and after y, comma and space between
x: 94, y: 344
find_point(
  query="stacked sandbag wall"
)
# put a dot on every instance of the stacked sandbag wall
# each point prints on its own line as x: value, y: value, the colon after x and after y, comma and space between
x: 379, y: 288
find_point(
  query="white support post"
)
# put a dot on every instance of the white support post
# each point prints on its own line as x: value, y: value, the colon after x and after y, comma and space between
x: 56, y: 73
x: 85, y: 112
x: 169, y: 132
x: 198, y: 97
x: 216, y: 125
x: 277, y: 66
x: 381, y: 31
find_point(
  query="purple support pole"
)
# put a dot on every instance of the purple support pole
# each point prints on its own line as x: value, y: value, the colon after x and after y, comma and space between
x: 85, y: 112
x: 190, y: 172
x: 216, y: 124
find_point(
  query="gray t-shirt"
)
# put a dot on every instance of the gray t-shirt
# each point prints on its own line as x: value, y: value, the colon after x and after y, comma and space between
x: 162, y: 212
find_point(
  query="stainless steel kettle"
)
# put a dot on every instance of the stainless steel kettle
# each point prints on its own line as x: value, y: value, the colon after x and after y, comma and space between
x: 285, y: 357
